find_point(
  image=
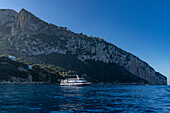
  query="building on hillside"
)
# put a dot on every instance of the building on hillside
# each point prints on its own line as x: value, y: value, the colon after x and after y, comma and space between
x: 30, y: 67
x: 12, y: 58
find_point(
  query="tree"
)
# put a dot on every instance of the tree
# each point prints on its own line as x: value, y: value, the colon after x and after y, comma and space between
x: 91, y: 36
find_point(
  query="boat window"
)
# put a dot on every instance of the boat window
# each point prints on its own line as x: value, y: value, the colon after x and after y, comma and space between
x: 81, y: 81
x: 70, y: 81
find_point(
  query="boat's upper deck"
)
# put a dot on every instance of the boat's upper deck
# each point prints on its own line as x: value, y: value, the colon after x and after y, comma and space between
x: 74, y: 80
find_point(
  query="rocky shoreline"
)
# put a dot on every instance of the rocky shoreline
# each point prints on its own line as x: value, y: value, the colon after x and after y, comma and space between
x: 23, y: 83
x: 47, y: 83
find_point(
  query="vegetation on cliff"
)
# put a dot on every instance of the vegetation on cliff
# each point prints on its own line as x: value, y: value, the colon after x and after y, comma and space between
x: 96, y: 72
x: 18, y: 72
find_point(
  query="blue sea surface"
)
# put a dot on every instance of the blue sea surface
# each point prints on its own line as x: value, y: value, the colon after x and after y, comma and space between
x: 94, y: 98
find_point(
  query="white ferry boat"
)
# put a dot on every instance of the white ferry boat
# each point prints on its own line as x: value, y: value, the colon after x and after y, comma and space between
x: 74, y: 82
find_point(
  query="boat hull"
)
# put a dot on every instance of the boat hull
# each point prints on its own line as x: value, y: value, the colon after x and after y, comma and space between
x: 75, y: 84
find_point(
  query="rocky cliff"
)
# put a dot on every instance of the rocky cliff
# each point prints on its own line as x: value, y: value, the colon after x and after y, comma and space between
x: 7, y: 18
x: 23, y: 34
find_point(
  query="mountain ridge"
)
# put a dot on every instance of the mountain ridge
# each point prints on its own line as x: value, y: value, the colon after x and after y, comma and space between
x: 32, y: 36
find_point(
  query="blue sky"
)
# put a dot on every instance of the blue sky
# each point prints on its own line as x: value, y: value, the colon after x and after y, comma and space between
x: 141, y: 27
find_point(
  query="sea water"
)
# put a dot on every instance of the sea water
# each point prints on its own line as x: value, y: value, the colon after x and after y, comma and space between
x: 94, y: 98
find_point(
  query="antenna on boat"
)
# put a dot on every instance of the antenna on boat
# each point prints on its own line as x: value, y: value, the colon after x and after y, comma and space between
x: 77, y: 76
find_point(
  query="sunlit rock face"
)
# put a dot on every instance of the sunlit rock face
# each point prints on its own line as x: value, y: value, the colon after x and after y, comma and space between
x: 32, y: 36
x: 99, y: 50
x: 7, y: 18
x: 27, y: 23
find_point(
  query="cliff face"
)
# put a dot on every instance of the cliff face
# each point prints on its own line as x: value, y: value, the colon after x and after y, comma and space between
x: 161, y: 79
x: 34, y: 37
x: 26, y: 23
x: 7, y: 18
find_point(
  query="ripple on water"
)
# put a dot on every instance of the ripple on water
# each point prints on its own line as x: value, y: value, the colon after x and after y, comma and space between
x: 94, y: 98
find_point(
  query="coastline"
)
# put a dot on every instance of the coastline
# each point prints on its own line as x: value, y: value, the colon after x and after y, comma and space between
x: 47, y: 83
x: 23, y: 83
